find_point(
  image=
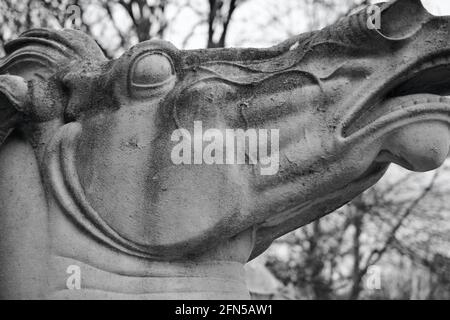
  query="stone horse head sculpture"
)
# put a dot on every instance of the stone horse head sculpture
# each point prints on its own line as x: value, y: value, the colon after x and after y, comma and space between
x: 93, y: 205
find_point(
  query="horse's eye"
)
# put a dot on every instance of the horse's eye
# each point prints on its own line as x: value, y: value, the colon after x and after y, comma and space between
x: 152, y: 69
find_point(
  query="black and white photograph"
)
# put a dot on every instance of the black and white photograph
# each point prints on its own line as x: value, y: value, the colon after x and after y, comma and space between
x: 225, y: 155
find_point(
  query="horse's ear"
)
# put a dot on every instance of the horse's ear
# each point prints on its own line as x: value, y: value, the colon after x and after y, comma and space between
x: 14, y: 99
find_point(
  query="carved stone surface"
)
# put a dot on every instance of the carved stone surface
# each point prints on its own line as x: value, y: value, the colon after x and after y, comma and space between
x: 87, y: 179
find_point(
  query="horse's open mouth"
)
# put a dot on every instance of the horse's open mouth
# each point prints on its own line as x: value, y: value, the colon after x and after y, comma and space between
x: 413, y: 119
x: 414, y: 122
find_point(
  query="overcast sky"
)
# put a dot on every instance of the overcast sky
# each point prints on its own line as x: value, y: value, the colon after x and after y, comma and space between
x: 261, y: 23
x: 437, y: 7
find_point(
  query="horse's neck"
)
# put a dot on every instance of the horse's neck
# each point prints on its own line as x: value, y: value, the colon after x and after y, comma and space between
x: 23, y: 222
x: 29, y: 270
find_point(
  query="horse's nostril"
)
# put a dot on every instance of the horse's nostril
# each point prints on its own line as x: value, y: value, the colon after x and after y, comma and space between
x: 402, y: 18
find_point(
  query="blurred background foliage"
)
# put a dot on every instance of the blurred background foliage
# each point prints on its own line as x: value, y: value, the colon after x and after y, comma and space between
x: 393, y: 241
